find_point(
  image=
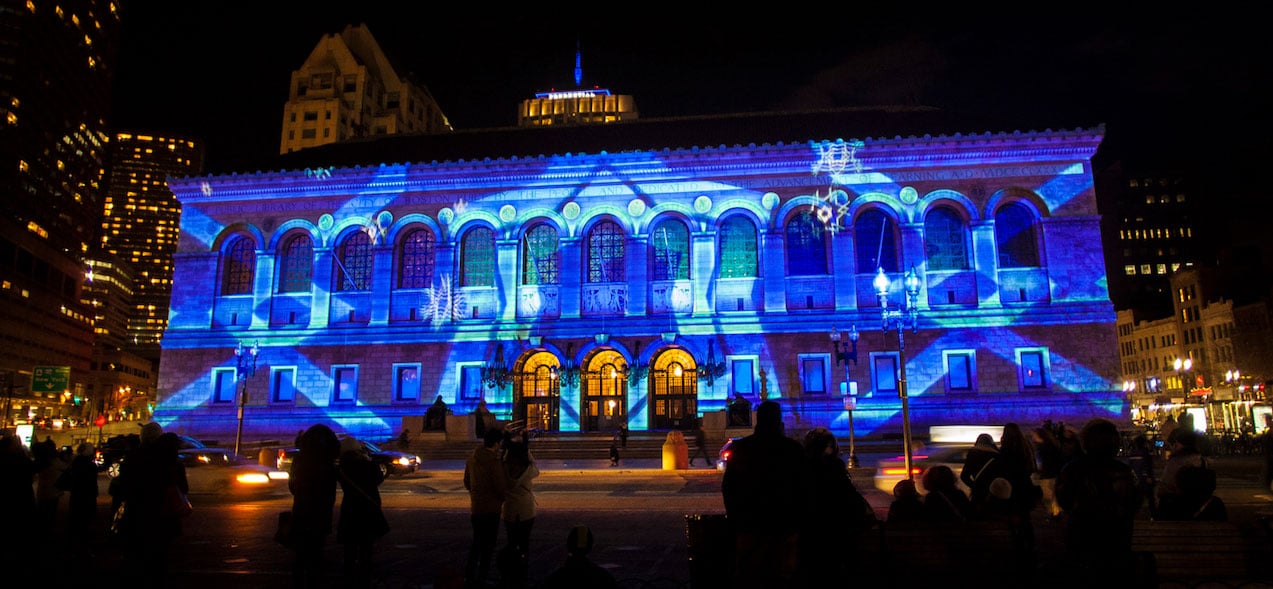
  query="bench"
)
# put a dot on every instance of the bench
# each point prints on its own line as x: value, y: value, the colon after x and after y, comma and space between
x: 1193, y: 551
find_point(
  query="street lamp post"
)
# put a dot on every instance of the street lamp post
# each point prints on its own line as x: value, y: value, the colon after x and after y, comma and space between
x: 246, y: 361
x: 907, y: 315
x: 843, y: 355
x: 1183, y: 366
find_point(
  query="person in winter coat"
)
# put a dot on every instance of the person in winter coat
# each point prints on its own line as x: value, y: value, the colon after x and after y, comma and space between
x: 82, y: 507
x: 518, y: 512
x: 1100, y: 494
x: 313, y: 486
x: 145, y: 476
x: 945, y: 501
x: 765, y: 491
x: 837, y: 514
x: 487, y: 484
x: 362, y: 521
x: 980, y: 460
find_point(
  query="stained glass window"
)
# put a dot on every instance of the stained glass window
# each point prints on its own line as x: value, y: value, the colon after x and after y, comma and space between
x: 605, y: 253
x: 354, y: 270
x: 415, y: 259
x: 297, y: 269
x: 738, y: 248
x: 806, y: 245
x: 477, y: 257
x: 671, y: 241
x: 540, y: 257
x: 238, y: 269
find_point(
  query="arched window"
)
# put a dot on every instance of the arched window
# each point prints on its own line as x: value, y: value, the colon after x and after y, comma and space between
x: 541, y: 258
x: 945, y: 246
x: 1015, y: 236
x: 238, y: 266
x: 353, y: 272
x: 605, y: 253
x: 806, y: 245
x: 671, y: 243
x: 875, y: 238
x: 477, y: 258
x: 738, y: 248
x: 297, y: 269
x: 415, y: 259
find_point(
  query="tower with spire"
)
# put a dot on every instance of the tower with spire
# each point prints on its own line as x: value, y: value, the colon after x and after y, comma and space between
x: 577, y: 105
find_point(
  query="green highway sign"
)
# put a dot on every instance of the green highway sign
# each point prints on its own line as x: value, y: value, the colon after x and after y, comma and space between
x: 50, y: 379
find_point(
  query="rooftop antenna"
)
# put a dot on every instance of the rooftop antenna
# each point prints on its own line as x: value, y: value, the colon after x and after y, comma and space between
x: 578, y: 67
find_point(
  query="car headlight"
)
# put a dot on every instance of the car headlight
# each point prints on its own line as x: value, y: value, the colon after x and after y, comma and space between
x: 404, y: 461
x: 252, y: 478
x: 279, y: 475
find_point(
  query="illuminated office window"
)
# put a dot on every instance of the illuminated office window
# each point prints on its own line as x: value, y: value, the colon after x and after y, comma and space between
x: 541, y: 258
x: 671, y: 244
x: 875, y: 238
x: 297, y: 268
x: 1145, y: 269
x: 477, y: 257
x: 1162, y: 269
x: 415, y: 259
x: 1129, y: 269
x: 1016, y: 236
x: 605, y: 253
x: 945, y: 245
x: 354, y: 270
x: 738, y: 248
x: 238, y: 267
x: 806, y: 245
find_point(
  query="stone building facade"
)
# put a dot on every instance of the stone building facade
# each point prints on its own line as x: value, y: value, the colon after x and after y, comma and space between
x: 646, y: 287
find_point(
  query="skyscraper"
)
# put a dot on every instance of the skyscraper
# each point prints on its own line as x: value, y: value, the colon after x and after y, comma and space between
x: 140, y: 224
x: 347, y: 88
x: 56, y: 65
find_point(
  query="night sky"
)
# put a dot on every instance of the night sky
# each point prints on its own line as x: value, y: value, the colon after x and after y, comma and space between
x: 1187, y: 87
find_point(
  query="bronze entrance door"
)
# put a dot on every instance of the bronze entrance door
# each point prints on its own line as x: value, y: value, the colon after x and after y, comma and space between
x: 536, y: 394
x: 674, y: 392
x: 604, y: 394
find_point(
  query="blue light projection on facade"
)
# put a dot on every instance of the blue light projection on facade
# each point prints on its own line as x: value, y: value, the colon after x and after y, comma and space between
x: 610, y: 279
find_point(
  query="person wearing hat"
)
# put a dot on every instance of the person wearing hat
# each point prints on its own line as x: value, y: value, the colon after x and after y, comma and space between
x: 362, y: 521
x: 578, y: 570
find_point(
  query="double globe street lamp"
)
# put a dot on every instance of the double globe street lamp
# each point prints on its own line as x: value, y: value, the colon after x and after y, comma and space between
x: 844, y: 355
x: 905, y: 316
x: 246, y: 368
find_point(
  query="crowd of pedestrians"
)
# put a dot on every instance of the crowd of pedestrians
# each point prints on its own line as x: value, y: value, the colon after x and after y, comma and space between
x: 792, y: 507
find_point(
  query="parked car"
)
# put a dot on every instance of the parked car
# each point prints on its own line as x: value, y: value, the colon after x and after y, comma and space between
x: 391, y: 462
x: 889, y: 471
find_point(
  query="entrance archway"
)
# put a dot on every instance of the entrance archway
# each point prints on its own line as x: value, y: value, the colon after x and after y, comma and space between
x: 604, y: 392
x: 674, y: 391
x: 536, y: 394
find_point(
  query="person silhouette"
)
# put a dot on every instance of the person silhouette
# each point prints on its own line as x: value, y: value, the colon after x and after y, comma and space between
x: 313, y: 486
x: 765, y: 491
x: 578, y: 572
x: 487, y: 484
x: 1100, y: 494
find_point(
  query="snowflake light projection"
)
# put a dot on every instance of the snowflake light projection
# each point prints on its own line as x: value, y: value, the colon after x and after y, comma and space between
x: 444, y: 303
x: 835, y: 158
